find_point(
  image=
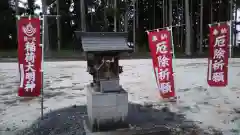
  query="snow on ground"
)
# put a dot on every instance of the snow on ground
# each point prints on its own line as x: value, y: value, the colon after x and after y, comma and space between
x: 209, y: 108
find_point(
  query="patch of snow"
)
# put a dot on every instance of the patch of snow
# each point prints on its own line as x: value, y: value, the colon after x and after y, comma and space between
x: 64, y: 84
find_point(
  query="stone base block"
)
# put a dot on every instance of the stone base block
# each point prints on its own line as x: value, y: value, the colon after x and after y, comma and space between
x: 106, y: 110
x: 111, y: 85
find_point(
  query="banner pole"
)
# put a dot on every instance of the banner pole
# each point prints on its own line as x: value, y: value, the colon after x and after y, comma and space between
x: 43, y: 40
x: 174, y: 57
x: 230, y: 38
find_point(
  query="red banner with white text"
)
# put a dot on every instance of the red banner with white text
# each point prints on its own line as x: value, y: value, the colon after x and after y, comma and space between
x: 29, y: 57
x: 161, y: 51
x: 219, y: 40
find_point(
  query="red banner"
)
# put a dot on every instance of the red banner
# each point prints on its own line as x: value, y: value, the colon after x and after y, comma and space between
x: 218, y: 55
x: 161, y: 50
x: 29, y: 57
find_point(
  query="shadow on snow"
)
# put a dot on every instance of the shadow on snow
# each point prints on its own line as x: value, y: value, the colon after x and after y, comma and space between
x: 143, y: 120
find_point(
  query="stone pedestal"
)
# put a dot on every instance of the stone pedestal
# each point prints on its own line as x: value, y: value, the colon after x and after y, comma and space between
x: 106, y: 110
x: 111, y: 85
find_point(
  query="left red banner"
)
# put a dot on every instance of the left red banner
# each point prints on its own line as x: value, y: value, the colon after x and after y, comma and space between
x: 29, y: 57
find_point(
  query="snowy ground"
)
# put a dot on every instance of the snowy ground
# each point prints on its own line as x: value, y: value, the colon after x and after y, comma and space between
x: 211, y: 109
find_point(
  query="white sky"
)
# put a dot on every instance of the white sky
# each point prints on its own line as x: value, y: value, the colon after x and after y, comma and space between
x: 38, y: 2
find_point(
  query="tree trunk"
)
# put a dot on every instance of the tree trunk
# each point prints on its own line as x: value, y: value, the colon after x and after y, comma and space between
x: 163, y: 13
x: 137, y: 14
x: 231, y: 27
x: 126, y: 18
x: 235, y: 19
x: 134, y: 27
x: 170, y: 13
x: 211, y: 16
x: 201, y: 28
x: 16, y: 7
x: 17, y: 14
x: 154, y: 15
x: 83, y: 16
x: 115, y: 15
x: 188, y: 30
x: 46, y: 37
x: 106, y: 3
x: 30, y: 7
x: 58, y: 27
